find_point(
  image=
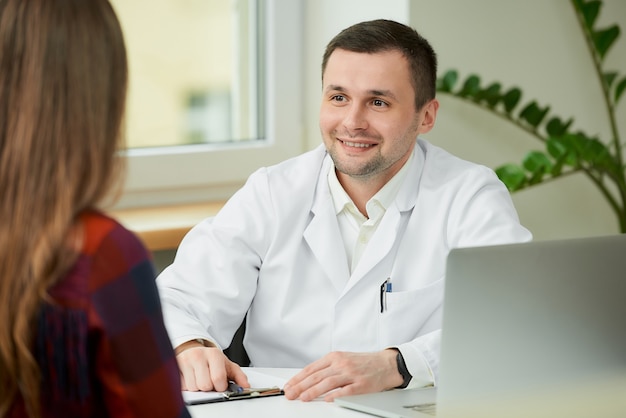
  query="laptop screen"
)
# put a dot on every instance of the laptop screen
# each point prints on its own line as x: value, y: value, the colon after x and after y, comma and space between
x: 537, y: 328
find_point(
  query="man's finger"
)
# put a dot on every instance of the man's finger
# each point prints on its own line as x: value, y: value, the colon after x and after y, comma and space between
x: 235, y: 373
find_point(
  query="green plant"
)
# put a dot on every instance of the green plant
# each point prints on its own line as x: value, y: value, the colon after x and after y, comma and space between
x: 566, y: 152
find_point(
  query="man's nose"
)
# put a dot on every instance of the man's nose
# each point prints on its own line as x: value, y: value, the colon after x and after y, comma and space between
x: 355, y: 118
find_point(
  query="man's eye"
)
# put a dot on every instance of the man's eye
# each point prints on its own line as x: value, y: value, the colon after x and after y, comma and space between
x: 338, y: 98
x: 378, y: 103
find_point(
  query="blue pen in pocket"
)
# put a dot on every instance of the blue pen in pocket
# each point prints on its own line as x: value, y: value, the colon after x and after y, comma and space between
x: 385, y: 288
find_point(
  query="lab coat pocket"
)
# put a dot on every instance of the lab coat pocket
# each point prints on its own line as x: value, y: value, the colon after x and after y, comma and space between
x: 409, y: 314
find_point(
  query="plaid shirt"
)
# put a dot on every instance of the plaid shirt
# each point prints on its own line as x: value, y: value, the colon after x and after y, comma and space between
x: 102, y: 345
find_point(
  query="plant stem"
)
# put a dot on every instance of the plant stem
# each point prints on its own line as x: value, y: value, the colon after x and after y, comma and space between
x: 606, y: 93
x: 619, y: 210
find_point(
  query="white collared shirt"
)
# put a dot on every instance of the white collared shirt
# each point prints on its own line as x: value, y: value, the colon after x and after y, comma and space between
x: 357, y: 229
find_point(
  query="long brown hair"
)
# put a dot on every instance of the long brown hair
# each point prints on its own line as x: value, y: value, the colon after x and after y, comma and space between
x: 63, y: 79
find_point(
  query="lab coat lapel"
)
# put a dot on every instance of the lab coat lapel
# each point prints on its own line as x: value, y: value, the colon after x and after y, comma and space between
x: 382, y: 247
x: 324, y: 237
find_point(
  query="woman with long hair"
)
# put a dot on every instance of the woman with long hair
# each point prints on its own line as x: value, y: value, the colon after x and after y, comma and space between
x: 81, y: 328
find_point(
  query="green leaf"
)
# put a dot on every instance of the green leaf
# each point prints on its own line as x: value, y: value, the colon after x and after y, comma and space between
x: 471, y: 87
x: 609, y: 78
x: 491, y: 95
x: 577, y: 142
x: 597, y: 155
x: 511, y: 98
x: 564, y: 150
x: 562, y: 155
x: 447, y: 82
x: 533, y: 114
x: 589, y: 10
x: 556, y: 127
x: 556, y: 148
x: 596, y: 152
x: 537, y: 162
x: 535, y: 178
x: 557, y: 168
x: 603, y: 39
x: 592, y: 152
x: 512, y: 175
x: 621, y: 86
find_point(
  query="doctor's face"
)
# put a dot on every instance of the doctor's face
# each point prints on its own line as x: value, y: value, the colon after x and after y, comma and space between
x: 368, y: 118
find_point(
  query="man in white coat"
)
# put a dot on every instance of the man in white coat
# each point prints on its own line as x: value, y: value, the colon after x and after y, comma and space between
x: 336, y: 258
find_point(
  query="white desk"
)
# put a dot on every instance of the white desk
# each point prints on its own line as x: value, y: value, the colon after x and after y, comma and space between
x: 602, y: 399
x: 274, y: 406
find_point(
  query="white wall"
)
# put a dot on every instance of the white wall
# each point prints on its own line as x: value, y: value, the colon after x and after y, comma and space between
x: 323, y: 20
x: 533, y: 44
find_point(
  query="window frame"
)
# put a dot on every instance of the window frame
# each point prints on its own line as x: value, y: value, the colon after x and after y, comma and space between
x: 208, y: 172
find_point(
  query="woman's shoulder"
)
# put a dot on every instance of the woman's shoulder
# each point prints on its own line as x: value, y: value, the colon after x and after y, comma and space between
x: 112, y: 250
x: 101, y: 230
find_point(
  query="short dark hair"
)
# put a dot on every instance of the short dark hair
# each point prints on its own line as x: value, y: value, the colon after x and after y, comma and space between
x: 386, y: 35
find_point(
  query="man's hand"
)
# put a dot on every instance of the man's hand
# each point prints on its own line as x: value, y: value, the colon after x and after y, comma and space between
x: 348, y: 373
x: 207, y: 368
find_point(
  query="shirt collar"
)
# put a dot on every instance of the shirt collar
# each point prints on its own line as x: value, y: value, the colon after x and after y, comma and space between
x: 382, y: 199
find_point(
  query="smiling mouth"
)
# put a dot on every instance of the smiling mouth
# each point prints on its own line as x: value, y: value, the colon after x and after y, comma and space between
x: 356, y: 144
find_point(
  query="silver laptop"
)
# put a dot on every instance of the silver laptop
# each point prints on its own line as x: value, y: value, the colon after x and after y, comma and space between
x: 529, y: 330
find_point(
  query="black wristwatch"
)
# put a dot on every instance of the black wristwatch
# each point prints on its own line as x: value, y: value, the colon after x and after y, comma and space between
x: 406, y: 376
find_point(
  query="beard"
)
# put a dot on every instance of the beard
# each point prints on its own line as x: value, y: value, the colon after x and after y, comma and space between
x: 364, y: 169
x: 373, y: 161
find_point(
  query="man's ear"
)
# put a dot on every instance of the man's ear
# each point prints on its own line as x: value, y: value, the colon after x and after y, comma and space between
x: 429, y: 114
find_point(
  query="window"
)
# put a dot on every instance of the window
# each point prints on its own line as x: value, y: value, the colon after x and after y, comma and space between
x: 212, y: 94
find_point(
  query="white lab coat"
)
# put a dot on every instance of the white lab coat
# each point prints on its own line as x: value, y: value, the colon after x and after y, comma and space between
x: 275, y: 252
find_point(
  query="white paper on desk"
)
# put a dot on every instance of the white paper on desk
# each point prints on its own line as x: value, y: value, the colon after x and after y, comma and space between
x: 200, y: 397
x: 256, y: 380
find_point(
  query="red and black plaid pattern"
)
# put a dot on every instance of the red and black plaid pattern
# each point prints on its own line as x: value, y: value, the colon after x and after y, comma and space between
x: 102, y: 345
